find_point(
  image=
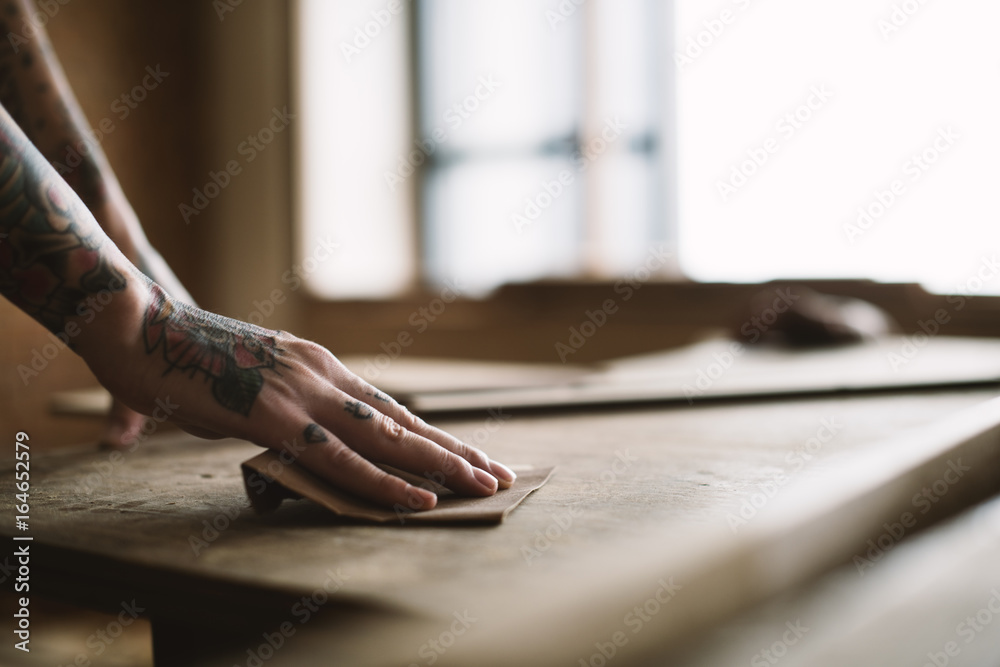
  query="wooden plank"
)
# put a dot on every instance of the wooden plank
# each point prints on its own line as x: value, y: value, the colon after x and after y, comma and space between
x: 854, y: 514
x: 403, y: 376
x: 126, y: 528
x: 724, y: 369
x: 940, y: 588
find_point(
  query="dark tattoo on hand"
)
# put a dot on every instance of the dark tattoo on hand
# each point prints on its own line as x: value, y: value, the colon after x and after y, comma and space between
x: 231, y: 354
x: 314, y: 433
x: 359, y: 410
x: 379, y: 396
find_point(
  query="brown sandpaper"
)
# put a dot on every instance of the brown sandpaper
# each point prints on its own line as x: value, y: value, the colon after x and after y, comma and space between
x: 269, y: 480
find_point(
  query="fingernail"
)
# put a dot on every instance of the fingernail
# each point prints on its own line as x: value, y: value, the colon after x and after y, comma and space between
x: 421, y: 499
x: 503, y: 474
x: 486, y: 480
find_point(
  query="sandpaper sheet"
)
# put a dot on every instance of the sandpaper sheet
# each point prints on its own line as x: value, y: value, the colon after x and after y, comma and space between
x: 268, y: 481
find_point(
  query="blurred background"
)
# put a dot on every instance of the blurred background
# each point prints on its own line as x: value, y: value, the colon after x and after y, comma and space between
x: 478, y: 175
x: 474, y: 177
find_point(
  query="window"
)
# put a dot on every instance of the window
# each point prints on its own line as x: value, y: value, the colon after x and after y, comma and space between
x: 847, y: 139
x: 484, y: 142
x: 353, y: 99
x: 535, y: 147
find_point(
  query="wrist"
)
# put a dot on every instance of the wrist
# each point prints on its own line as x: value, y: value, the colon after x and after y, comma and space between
x: 107, y: 332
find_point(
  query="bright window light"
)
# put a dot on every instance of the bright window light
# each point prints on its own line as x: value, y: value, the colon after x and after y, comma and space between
x: 479, y: 142
x: 353, y: 99
x: 556, y: 171
x: 839, y: 139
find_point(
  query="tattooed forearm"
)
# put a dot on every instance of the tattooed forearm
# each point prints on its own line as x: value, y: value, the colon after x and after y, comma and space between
x: 49, y: 266
x: 358, y: 409
x: 36, y: 95
x: 35, y: 92
x: 230, y: 354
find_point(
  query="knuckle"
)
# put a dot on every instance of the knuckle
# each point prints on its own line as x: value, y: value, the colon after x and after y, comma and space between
x: 388, y: 485
x: 308, y: 348
x: 340, y: 455
x: 318, y: 358
x: 410, y: 420
x: 451, y: 464
x: 469, y: 453
x: 475, y: 455
x: 391, y: 429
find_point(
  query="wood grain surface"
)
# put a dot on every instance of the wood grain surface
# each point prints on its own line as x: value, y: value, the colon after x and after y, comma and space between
x: 170, y: 523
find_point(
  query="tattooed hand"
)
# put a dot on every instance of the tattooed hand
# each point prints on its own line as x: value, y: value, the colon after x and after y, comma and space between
x: 234, y: 378
x: 34, y: 90
x: 219, y: 377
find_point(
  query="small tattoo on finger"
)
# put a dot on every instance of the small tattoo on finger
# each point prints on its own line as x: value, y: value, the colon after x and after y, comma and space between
x: 314, y: 433
x: 379, y: 396
x: 358, y: 409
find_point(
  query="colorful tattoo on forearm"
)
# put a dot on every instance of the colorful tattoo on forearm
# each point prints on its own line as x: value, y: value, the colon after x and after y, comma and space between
x: 49, y: 265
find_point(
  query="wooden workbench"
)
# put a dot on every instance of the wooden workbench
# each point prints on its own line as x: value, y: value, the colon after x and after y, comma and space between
x: 142, y: 528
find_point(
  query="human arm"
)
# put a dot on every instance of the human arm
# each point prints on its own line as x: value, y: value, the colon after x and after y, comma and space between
x: 218, y: 376
x: 34, y: 90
